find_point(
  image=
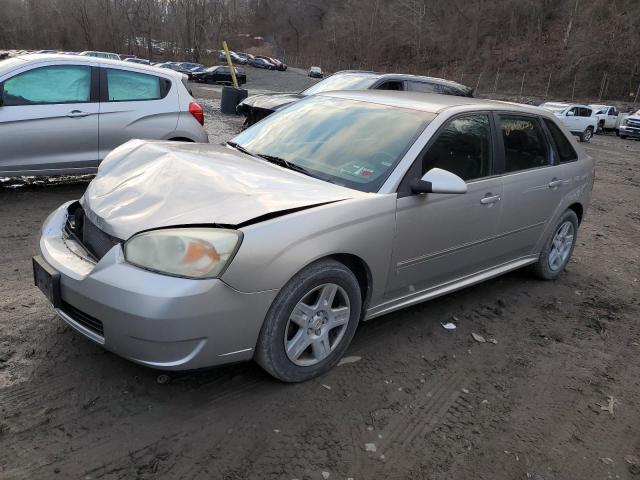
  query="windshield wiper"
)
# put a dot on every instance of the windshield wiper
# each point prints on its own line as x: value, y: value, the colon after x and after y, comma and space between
x: 240, y: 148
x: 291, y: 166
x: 281, y: 162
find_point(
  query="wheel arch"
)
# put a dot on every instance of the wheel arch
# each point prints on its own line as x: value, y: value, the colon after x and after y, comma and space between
x: 578, y: 209
x: 361, y: 271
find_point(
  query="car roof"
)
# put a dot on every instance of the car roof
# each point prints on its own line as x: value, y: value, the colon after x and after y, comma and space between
x: 407, y: 76
x: 42, y: 57
x: 430, y: 102
x: 565, y: 104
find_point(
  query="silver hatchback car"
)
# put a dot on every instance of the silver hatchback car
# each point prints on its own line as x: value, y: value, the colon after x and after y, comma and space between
x: 64, y: 113
x: 340, y: 208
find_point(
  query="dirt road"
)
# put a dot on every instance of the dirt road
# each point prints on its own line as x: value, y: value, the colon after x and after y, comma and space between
x: 556, y: 397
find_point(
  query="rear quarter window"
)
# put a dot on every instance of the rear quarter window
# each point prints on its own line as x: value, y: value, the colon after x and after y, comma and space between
x: 124, y: 85
x: 565, y: 150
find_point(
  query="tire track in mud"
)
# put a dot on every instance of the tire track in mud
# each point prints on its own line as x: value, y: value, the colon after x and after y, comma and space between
x: 427, y: 411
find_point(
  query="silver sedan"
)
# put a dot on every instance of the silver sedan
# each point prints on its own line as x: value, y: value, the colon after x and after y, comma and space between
x: 340, y: 208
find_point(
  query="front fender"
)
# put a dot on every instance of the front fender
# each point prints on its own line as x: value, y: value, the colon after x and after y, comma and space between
x: 273, y: 251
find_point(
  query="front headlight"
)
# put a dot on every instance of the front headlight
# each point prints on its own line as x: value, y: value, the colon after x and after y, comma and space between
x: 184, y: 252
x: 624, y: 122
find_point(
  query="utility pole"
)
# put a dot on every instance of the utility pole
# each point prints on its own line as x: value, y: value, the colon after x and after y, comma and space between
x: 522, y: 85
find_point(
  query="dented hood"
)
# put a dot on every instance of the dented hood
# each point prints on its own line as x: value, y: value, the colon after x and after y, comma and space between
x: 143, y: 185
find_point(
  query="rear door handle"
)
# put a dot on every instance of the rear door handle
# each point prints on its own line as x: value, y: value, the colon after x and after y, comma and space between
x: 555, y: 183
x: 489, y: 199
x: 77, y: 114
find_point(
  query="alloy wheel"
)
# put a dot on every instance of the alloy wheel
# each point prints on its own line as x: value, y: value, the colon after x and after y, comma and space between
x: 317, y: 324
x: 561, y: 246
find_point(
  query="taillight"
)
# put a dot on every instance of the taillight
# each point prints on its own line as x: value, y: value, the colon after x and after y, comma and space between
x: 197, y: 112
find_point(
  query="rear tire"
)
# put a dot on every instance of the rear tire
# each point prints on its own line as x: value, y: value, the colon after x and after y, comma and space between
x: 586, y: 135
x: 303, y: 335
x: 623, y: 137
x: 558, y: 248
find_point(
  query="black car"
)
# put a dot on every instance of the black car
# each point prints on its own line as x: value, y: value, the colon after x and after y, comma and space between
x: 219, y: 74
x: 257, y: 107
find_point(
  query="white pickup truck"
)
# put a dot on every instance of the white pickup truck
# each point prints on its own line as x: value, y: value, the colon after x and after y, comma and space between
x: 579, y: 119
x: 630, y: 126
x: 609, y: 118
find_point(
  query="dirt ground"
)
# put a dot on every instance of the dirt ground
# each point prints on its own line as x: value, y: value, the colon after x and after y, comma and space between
x: 556, y: 397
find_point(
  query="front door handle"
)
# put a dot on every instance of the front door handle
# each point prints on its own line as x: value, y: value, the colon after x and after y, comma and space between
x: 555, y: 183
x: 77, y: 114
x: 489, y: 199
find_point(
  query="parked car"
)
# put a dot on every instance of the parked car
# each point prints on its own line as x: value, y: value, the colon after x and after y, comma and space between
x: 245, y: 56
x: 278, y: 64
x: 257, y: 107
x: 141, y: 61
x: 175, y: 66
x: 579, y: 119
x: 190, y: 66
x: 64, y: 113
x: 219, y: 74
x: 316, y: 72
x: 108, y: 55
x: 344, y: 207
x: 609, y: 118
x: 630, y: 126
x: 235, y: 58
x: 261, y: 63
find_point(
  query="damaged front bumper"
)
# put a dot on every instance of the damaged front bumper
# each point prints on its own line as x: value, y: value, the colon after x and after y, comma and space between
x: 152, y: 319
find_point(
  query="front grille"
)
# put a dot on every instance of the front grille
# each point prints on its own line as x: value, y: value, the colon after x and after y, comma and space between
x: 633, y: 123
x: 83, y: 319
x: 94, y: 240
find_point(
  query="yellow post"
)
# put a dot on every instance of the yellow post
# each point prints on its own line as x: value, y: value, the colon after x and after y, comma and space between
x: 231, y: 67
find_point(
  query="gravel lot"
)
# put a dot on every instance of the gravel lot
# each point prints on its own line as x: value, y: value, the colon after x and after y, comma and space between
x: 557, y: 397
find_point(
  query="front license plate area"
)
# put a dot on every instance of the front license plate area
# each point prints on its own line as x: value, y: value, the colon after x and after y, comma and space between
x: 47, y: 279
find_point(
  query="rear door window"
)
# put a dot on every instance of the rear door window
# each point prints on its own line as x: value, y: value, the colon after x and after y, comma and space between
x: 424, y: 87
x: 524, y: 142
x: 463, y: 147
x: 566, y: 153
x: 391, y: 85
x: 124, y: 85
x: 49, y: 85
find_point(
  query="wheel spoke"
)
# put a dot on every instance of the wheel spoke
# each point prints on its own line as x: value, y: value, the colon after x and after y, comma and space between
x: 297, y: 345
x: 553, y: 258
x: 340, y: 316
x: 327, y: 295
x: 321, y: 347
x: 301, y: 314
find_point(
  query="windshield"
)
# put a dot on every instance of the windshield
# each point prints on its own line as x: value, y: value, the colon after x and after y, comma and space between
x: 351, y: 143
x: 344, y: 81
x: 555, y: 107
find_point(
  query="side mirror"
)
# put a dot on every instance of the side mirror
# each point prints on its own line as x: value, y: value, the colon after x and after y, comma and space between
x: 571, y: 113
x: 438, y: 180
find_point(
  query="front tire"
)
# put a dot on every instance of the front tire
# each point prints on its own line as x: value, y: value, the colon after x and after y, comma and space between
x: 558, y: 248
x: 586, y: 135
x: 310, y: 323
